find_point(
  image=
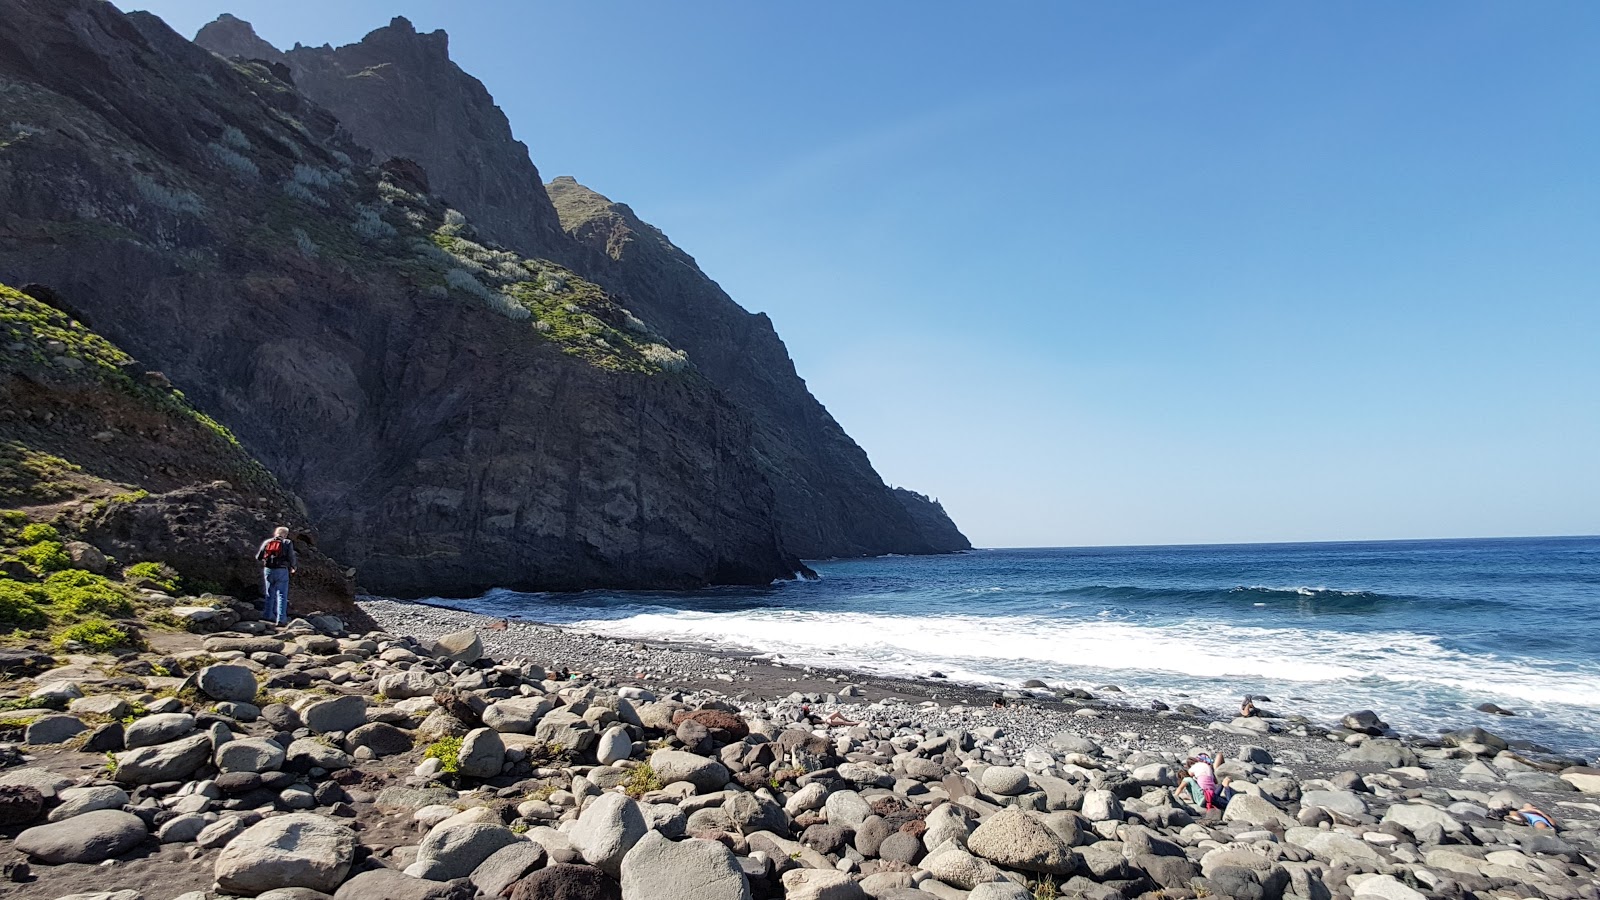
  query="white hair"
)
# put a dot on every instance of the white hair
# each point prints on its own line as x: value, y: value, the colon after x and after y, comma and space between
x: 280, y: 531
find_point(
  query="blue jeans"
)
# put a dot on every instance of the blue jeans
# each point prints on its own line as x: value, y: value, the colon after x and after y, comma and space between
x: 276, y: 609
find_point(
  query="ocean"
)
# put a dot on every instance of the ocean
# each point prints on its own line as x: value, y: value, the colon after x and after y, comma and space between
x: 1420, y: 631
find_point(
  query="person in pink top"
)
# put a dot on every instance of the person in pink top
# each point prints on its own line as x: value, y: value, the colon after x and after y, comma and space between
x: 1200, y: 783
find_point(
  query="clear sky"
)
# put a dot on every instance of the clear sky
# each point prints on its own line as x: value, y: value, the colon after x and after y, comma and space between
x: 1112, y: 273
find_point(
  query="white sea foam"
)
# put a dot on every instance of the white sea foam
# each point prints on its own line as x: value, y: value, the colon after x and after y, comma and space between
x: 1332, y: 672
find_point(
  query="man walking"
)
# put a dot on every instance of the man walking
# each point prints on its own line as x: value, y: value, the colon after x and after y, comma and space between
x: 278, y: 562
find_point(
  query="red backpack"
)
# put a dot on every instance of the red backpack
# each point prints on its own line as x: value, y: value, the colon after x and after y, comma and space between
x: 274, y: 554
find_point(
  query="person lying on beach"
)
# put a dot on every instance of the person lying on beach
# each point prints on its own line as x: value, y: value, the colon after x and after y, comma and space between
x: 1200, y: 784
x: 1533, y: 816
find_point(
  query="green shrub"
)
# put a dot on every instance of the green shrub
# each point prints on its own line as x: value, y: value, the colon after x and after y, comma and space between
x: 447, y: 750
x: 642, y: 780
x: 19, y: 605
x: 38, y: 532
x: 97, y: 635
x: 45, y: 556
x: 75, y: 592
x: 157, y: 574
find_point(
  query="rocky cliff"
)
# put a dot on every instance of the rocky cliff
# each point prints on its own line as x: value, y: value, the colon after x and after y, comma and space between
x: 111, y: 453
x: 455, y: 416
x: 400, y: 94
x: 932, y: 521
x: 831, y: 501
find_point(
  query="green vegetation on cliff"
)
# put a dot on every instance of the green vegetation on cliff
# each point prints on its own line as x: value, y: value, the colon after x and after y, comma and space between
x: 49, y: 345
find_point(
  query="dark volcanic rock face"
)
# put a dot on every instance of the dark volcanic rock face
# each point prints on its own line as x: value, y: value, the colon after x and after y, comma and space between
x: 400, y: 95
x: 232, y: 36
x: 831, y: 501
x: 455, y: 417
x: 932, y: 521
x: 91, y: 438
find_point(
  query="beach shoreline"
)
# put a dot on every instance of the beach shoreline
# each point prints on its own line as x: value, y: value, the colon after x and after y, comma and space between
x: 750, y: 677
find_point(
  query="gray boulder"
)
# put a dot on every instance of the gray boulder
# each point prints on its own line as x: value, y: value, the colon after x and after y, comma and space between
x: 820, y: 884
x: 308, y: 753
x: 751, y: 813
x: 461, y: 646
x: 77, y: 801
x: 159, y: 728
x: 455, y: 850
x: 658, y: 869
x: 482, y: 753
x: 249, y: 755
x: 408, y: 684
x: 1006, y: 781
x: 1345, y: 803
x: 846, y: 808
x: 606, y: 830
x: 87, y: 838
x: 506, y: 866
x: 1015, y: 839
x: 614, y: 746
x: 181, y: 829
x: 960, y: 869
x: 299, y: 850
x: 1413, y: 816
x: 1381, y: 752
x: 174, y: 761
x: 565, y: 729
x: 518, y: 715
x: 344, y: 714
x: 1252, y: 810
x: 225, y: 682
x: 995, y: 890
x: 53, y: 730
x: 672, y: 766
x: 381, y: 738
x: 389, y: 884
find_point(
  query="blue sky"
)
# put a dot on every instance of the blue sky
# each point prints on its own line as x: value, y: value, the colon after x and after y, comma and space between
x: 1100, y: 273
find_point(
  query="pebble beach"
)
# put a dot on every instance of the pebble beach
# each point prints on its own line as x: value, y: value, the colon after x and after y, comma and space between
x: 455, y: 755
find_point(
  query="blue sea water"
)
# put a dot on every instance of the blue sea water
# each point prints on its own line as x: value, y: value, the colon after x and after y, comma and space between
x: 1421, y: 631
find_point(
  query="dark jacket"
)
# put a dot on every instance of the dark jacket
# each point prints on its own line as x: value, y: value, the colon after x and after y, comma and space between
x: 289, y: 558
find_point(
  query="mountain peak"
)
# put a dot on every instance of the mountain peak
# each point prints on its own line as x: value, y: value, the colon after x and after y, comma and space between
x: 401, y: 33
x: 229, y: 35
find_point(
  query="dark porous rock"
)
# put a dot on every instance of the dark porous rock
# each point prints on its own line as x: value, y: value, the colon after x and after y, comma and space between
x: 1365, y: 722
x: 563, y: 881
x: 105, y: 738
x: 281, y: 717
x: 1474, y: 735
x: 723, y: 726
x: 1170, y: 872
x: 826, y: 838
x: 900, y: 847
x: 19, y: 804
x: 389, y: 884
x: 871, y: 835
x: 465, y: 706
x: 237, y: 782
x: 694, y: 737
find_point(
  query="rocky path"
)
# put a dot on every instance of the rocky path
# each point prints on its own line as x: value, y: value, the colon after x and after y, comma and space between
x: 430, y: 760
